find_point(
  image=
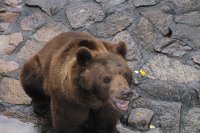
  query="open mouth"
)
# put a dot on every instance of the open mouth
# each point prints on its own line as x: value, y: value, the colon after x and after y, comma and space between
x: 120, y: 103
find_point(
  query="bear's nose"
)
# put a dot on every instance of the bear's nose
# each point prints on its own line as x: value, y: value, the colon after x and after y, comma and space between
x: 127, y: 94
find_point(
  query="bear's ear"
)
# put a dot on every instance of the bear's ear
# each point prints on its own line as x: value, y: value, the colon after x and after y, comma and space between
x: 83, y: 56
x: 121, y: 49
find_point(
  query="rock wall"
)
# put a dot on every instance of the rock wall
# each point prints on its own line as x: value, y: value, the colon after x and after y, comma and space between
x: 163, y: 38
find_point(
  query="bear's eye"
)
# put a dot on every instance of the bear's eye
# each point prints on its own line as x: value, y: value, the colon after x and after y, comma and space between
x: 107, y: 79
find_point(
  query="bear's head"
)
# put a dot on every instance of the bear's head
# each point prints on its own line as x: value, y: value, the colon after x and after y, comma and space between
x: 105, y: 77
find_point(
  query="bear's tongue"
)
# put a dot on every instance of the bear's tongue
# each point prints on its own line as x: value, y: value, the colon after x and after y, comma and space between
x: 121, y: 104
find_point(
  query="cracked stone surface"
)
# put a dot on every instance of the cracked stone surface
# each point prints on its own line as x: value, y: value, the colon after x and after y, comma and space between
x: 8, y: 66
x: 29, y: 49
x: 192, y: 18
x: 157, y: 130
x: 133, y: 50
x: 166, y: 116
x: 163, y: 39
x: 185, y: 32
x: 196, y: 58
x: 13, y: 2
x: 12, y: 92
x: 172, y: 47
x: 138, y: 3
x: 8, y: 16
x: 111, y: 2
x: 114, y: 23
x: 9, y: 42
x: 196, y: 87
x: 33, y: 21
x: 49, y: 6
x: 4, y: 27
x: 192, y: 123
x: 1, y: 29
x: 160, y: 19
x: 49, y: 31
x: 144, y: 31
x: 182, y: 6
x: 111, y: 5
x: 167, y: 91
x: 83, y: 14
x: 140, y: 118
x: 166, y: 69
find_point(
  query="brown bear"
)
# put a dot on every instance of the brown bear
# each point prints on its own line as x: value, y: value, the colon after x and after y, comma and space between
x: 86, y: 79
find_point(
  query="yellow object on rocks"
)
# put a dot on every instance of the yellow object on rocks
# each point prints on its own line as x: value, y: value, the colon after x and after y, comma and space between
x: 143, y: 73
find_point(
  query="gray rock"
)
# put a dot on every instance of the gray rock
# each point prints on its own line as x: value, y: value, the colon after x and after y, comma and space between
x: 102, y: 1
x: 13, y: 3
x: 196, y: 58
x: 135, y: 94
x: 166, y: 114
x: 115, y: 2
x: 9, y: 42
x: 182, y: 6
x: 192, y: 18
x: 49, y: 31
x: 29, y: 49
x: 110, y: 2
x: 172, y: 47
x: 2, y: 9
x: 114, y: 23
x: 139, y: 3
x: 49, y: 6
x: 122, y: 129
x: 12, y: 92
x: 167, y: 9
x: 156, y: 130
x: 160, y: 19
x: 8, y: 66
x: 111, y: 5
x: 192, y: 121
x: 83, y: 14
x: 132, y: 64
x: 133, y: 50
x: 166, y: 91
x: 185, y: 32
x: 1, y: 29
x: 137, y: 77
x: 198, y: 91
x: 8, y: 17
x: 140, y: 118
x: 4, y: 27
x: 163, y: 68
x: 32, y: 22
x: 144, y: 30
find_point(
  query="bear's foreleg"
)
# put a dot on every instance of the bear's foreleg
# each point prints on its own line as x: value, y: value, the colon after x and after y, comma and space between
x: 31, y: 79
x: 69, y: 117
x: 106, y: 120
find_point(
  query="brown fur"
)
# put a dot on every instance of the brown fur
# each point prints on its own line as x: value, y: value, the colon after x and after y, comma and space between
x: 80, y: 74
